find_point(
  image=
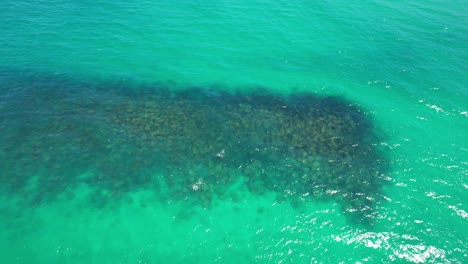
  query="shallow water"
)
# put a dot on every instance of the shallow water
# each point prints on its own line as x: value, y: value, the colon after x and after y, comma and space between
x: 233, y: 132
x: 194, y: 144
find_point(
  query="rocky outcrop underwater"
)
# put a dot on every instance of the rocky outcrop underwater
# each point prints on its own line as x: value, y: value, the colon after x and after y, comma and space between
x: 198, y: 145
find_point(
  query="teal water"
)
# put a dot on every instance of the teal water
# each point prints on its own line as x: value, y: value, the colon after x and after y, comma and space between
x: 233, y: 132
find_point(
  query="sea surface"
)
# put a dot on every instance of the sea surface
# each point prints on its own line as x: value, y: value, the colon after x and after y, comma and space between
x: 233, y: 131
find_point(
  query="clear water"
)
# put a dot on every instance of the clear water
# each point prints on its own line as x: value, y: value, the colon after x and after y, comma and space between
x: 83, y: 182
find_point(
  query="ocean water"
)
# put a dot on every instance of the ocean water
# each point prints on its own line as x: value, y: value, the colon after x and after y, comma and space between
x: 233, y: 131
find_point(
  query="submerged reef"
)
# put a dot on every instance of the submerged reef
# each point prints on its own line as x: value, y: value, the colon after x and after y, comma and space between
x: 197, y: 145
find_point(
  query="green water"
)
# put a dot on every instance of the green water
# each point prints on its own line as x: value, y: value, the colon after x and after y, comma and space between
x: 78, y: 186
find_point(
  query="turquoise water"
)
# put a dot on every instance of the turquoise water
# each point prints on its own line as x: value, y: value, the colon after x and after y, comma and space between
x: 188, y: 132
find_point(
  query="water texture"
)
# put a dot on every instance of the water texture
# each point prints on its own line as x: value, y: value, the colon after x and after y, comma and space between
x: 233, y: 132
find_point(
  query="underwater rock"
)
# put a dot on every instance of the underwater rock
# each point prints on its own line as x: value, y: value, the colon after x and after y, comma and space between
x: 299, y: 144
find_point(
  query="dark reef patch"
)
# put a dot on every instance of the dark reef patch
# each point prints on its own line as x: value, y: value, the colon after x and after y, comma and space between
x: 191, y: 144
